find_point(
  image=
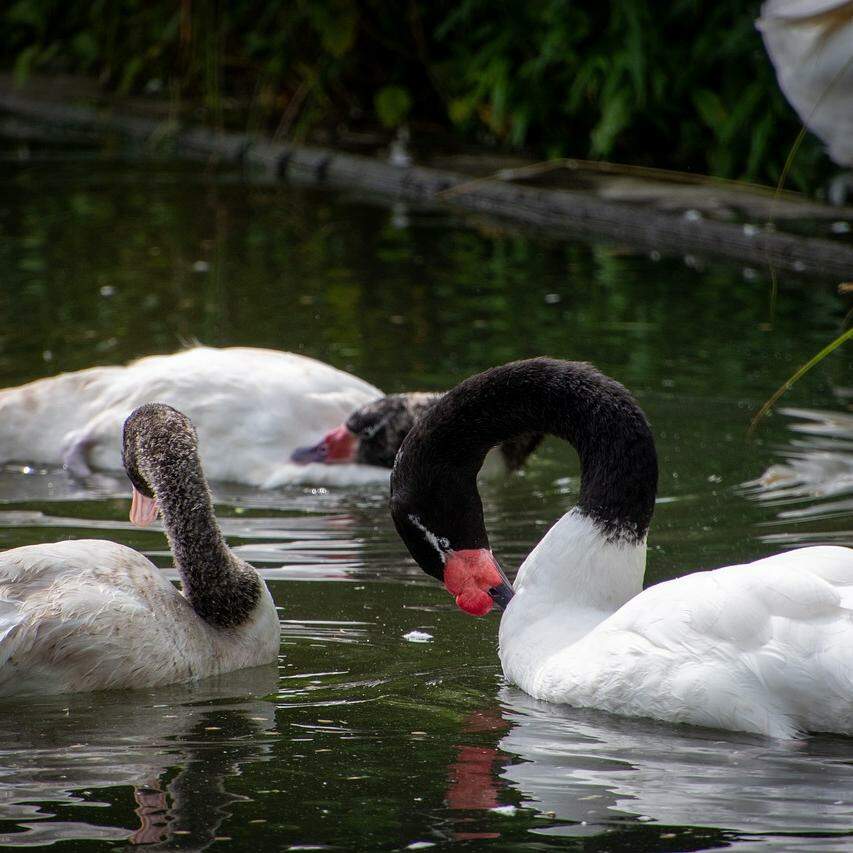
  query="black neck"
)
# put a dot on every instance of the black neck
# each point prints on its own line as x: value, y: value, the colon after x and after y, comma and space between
x: 441, y: 457
x: 222, y: 589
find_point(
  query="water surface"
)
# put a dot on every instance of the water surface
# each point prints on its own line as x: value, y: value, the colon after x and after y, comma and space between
x: 361, y: 738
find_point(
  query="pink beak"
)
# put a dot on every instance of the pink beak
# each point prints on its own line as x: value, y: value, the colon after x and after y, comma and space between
x: 339, y: 445
x: 142, y: 510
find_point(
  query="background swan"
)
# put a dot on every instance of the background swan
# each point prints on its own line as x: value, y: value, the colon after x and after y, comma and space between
x: 92, y: 614
x: 810, y: 43
x: 251, y: 408
x: 765, y: 647
x: 289, y: 401
x: 372, y: 435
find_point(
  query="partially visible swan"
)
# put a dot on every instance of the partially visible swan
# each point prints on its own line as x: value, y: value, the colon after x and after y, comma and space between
x: 810, y: 43
x: 75, y: 418
x: 765, y: 647
x: 92, y: 614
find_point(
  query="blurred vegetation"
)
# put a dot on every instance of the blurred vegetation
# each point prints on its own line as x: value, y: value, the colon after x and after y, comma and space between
x: 683, y: 85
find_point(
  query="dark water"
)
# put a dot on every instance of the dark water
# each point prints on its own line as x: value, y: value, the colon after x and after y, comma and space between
x: 360, y: 738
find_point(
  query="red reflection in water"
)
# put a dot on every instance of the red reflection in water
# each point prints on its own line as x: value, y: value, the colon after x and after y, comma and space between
x: 472, y: 776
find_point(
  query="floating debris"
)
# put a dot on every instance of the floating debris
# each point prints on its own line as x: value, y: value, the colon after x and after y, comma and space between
x: 418, y: 637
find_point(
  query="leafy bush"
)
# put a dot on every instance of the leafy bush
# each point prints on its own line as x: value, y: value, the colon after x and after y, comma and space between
x: 684, y: 84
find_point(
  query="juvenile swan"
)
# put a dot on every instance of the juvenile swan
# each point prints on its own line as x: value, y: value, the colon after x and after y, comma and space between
x: 764, y: 647
x: 92, y: 614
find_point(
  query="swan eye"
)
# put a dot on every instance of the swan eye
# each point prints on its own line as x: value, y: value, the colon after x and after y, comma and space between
x: 440, y: 543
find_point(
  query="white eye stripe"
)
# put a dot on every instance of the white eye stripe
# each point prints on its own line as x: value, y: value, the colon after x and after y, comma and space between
x: 440, y: 543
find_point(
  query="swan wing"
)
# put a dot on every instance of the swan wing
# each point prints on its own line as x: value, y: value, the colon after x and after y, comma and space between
x: 764, y: 647
x: 88, y: 614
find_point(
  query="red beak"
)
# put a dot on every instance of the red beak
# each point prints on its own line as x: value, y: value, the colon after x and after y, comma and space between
x: 339, y: 445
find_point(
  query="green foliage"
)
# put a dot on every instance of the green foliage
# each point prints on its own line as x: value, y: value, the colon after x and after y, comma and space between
x: 392, y: 105
x: 682, y: 85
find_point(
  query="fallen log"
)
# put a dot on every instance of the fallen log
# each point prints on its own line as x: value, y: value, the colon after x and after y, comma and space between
x: 567, y: 212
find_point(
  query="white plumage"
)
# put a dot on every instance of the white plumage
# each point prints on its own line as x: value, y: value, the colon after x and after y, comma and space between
x: 92, y: 614
x: 765, y: 647
x: 810, y: 43
x: 251, y: 408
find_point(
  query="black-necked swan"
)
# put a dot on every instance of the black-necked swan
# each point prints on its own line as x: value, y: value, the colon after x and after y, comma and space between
x: 92, y: 614
x: 764, y: 647
x: 372, y: 435
x: 75, y: 419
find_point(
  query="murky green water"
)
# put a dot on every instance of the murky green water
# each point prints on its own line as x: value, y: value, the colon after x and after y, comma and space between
x: 361, y: 739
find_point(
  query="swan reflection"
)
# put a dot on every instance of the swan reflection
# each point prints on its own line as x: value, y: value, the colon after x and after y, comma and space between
x: 593, y: 767
x: 586, y: 772
x: 168, y: 753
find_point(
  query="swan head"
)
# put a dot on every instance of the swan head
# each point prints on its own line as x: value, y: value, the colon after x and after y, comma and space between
x: 453, y: 549
x: 372, y: 434
x: 153, y: 433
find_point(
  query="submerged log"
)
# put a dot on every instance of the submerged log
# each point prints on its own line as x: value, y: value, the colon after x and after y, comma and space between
x: 567, y: 212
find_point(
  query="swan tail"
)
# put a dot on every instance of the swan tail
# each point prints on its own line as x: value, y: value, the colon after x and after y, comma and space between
x: 38, y: 420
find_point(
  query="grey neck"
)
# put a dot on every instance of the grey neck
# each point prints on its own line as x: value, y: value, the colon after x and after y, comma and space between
x: 221, y: 588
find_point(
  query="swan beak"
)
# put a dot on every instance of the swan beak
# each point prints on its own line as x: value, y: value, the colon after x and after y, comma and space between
x: 502, y: 595
x: 475, y: 579
x: 143, y: 510
x: 339, y: 445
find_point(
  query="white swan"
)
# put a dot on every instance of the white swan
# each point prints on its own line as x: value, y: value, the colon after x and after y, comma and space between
x: 810, y: 43
x: 92, y: 614
x: 75, y: 418
x: 765, y: 647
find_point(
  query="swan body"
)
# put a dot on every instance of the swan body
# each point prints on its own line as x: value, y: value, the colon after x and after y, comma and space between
x: 810, y: 43
x: 91, y: 614
x: 765, y: 647
x: 75, y: 418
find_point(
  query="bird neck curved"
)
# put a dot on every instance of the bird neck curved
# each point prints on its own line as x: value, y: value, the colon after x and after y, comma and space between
x: 221, y: 588
x: 572, y: 400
